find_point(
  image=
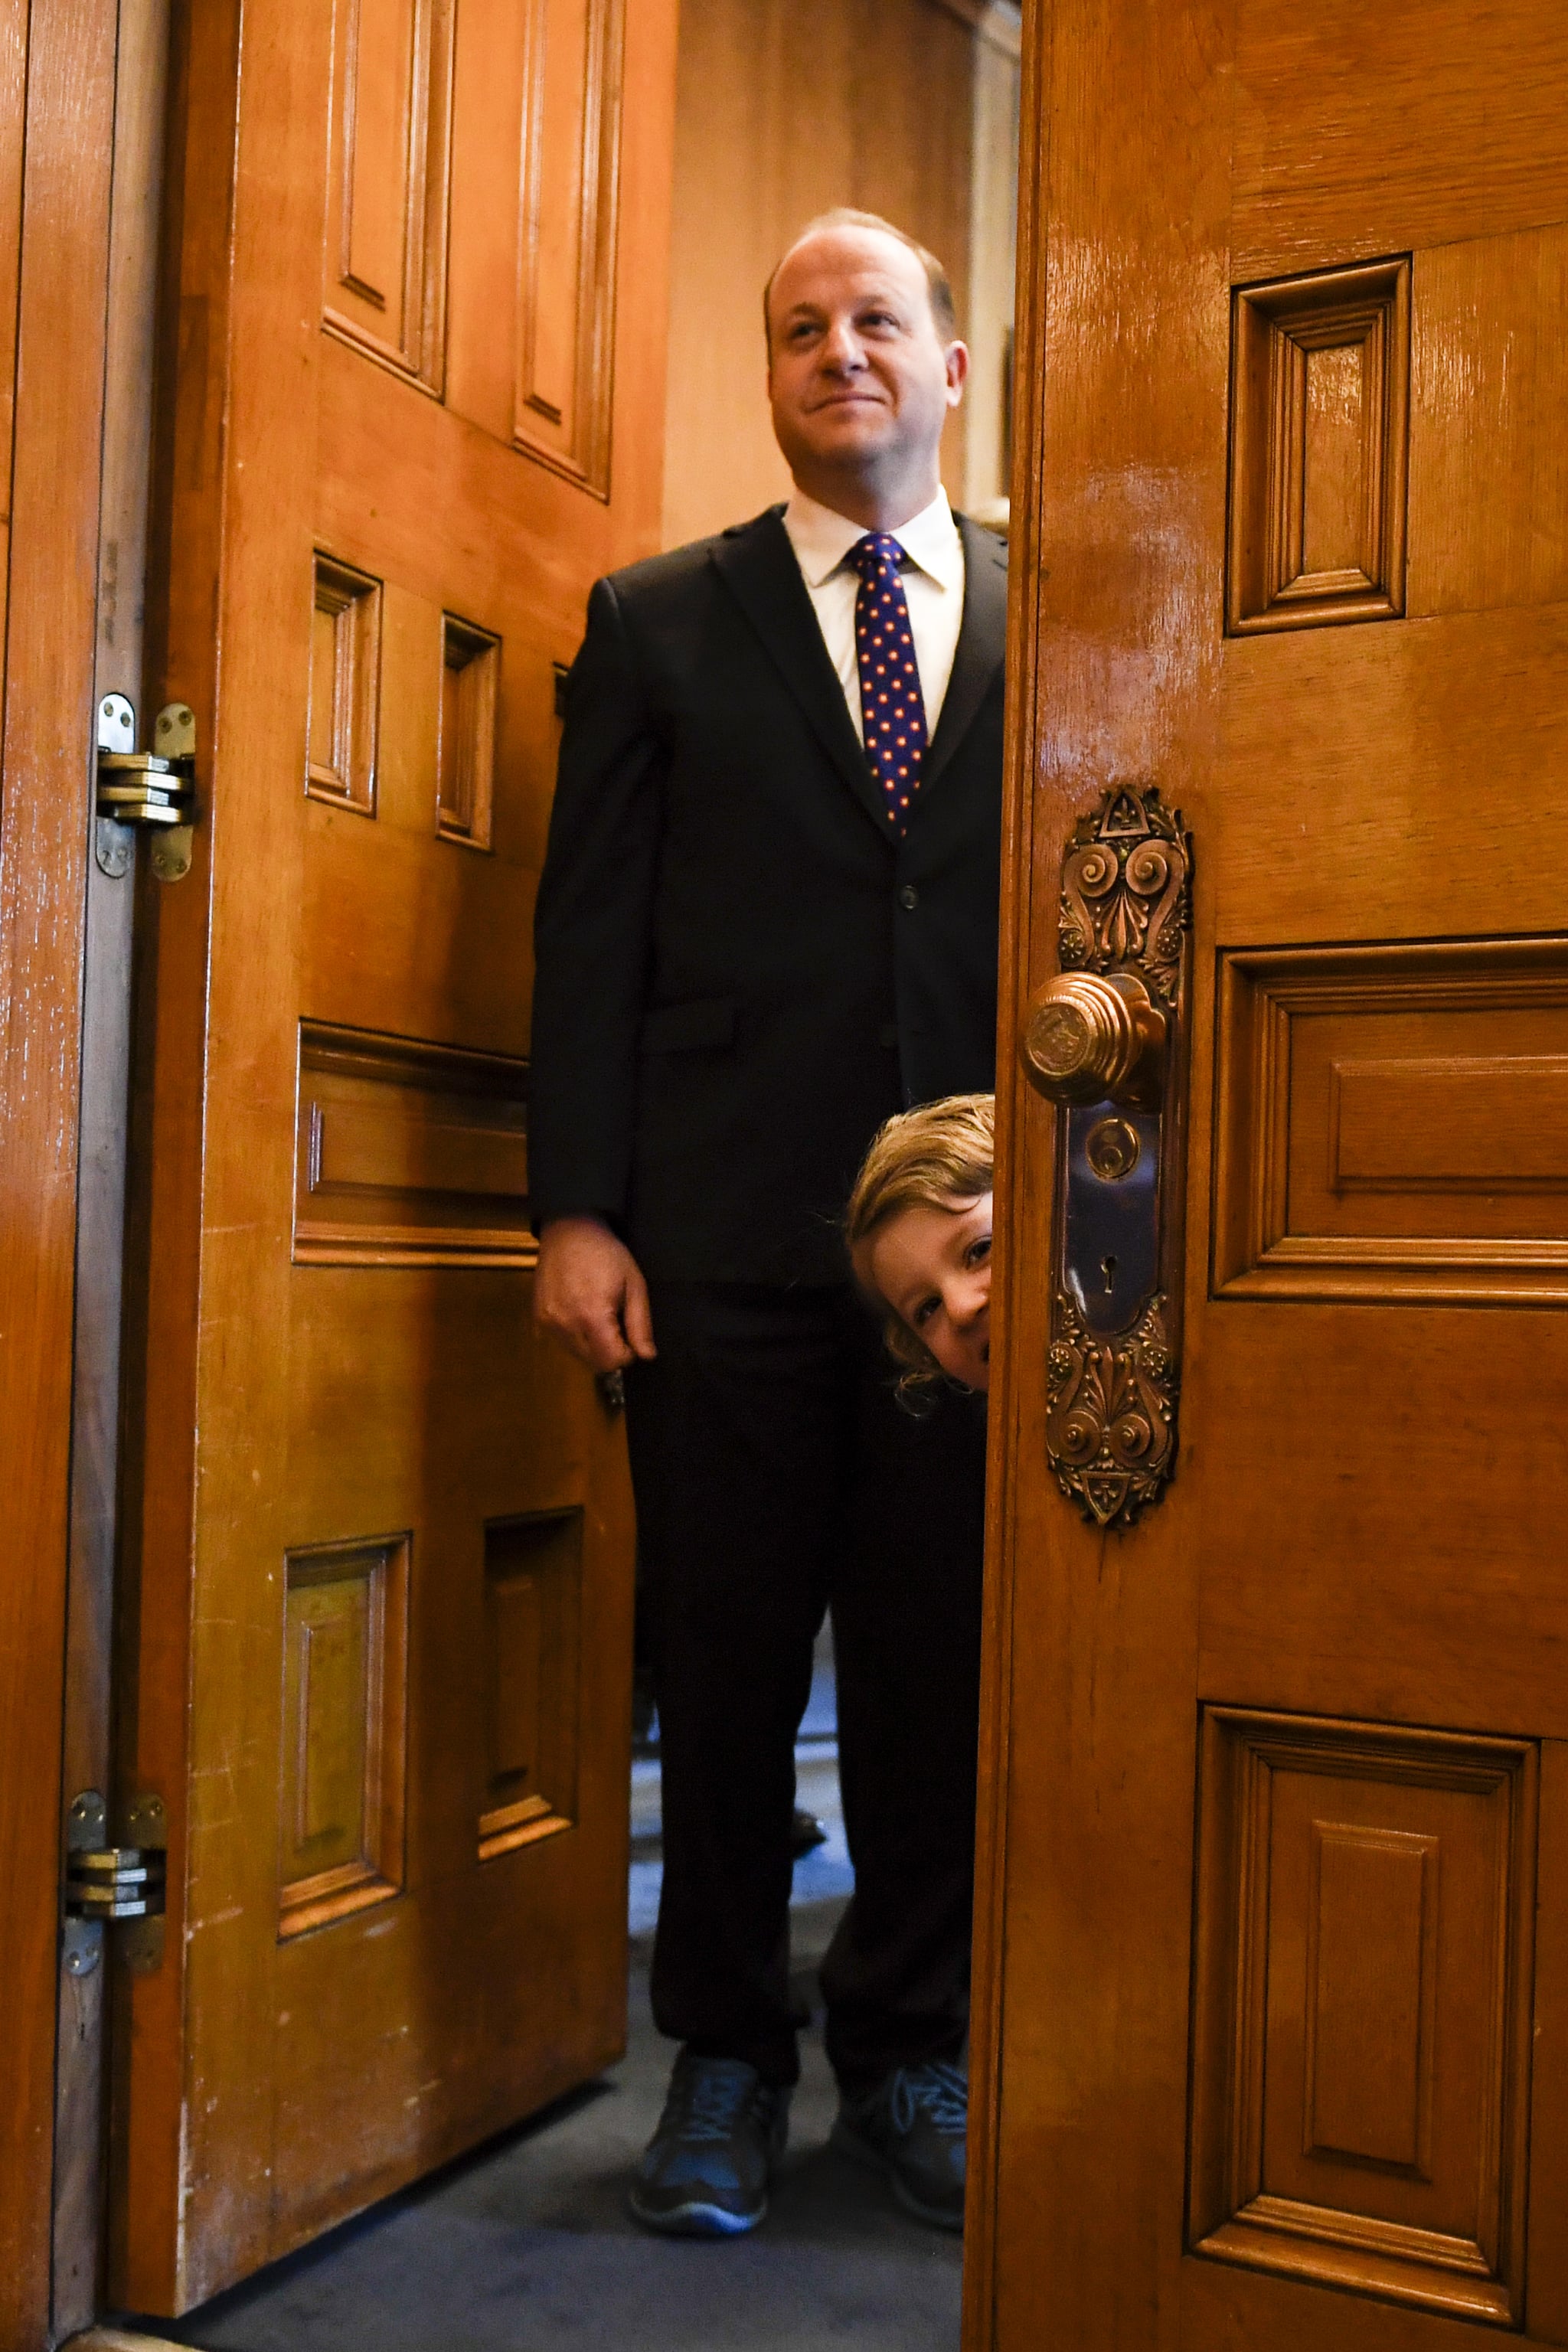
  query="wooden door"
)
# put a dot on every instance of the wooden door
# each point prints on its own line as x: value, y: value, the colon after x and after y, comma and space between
x: 1275, y: 1909
x: 381, y: 1649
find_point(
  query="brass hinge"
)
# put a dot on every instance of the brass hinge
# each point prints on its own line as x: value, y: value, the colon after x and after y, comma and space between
x: 121, y: 1886
x: 154, y: 789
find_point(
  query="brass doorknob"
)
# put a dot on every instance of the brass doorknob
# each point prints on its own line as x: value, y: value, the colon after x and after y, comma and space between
x: 1088, y: 1040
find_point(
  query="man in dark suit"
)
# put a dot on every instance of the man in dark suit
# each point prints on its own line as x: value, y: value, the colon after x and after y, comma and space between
x: 767, y: 921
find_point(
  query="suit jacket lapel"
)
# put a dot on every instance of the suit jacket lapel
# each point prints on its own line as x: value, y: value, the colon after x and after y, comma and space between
x: 980, y: 645
x: 758, y: 565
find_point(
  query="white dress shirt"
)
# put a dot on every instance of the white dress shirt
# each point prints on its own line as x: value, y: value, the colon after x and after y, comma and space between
x: 933, y: 589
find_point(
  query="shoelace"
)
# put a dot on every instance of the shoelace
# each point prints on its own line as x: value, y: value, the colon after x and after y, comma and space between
x: 942, y: 2091
x: 713, y: 2107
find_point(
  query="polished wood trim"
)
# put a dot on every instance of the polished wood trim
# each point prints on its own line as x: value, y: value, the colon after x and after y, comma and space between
x: 580, y: 448
x: 218, y: 293
x: 1275, y: 330
x: 384, y: 1215
x: 80, y: 2084
x: 1546, y: 2277
x: 419, y: 353
x: 1261, y: 992
x: 1231, y: 2215
x: 1100, y: 1811
x: 466, y: 741
x: 379, y: 1869
x: 344, y: 728
x: 1024, y: 1175
x: 46, y: 798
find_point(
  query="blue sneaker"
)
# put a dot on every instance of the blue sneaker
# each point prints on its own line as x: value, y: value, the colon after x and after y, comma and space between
x: 705, y: 2173
x: 912, y: 2127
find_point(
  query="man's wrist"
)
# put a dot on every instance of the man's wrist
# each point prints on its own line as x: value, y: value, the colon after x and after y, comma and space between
x: 576, y: 1217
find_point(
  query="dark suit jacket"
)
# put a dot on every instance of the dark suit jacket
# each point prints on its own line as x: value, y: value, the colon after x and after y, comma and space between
x: 740, y: 971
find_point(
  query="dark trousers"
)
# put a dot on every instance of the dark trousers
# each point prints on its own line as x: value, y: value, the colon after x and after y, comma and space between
x: 776, y: 1476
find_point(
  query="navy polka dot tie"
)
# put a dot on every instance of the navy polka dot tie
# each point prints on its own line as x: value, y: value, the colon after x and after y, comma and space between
x: 891, y: 704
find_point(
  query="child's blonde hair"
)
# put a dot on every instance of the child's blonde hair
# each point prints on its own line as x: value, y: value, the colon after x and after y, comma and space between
x: 936, y: 1157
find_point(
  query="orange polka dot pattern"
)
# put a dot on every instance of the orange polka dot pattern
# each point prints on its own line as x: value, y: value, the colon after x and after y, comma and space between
x: 891, y: 704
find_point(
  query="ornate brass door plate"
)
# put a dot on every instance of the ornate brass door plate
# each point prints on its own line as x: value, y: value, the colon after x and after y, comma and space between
x: 1105, y: 1041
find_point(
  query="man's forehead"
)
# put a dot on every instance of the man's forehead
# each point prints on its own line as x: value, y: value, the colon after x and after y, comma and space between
x: 840, y: 265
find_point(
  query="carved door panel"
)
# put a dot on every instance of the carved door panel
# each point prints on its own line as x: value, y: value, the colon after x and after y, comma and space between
x: 382, y: 1539
x: 1273, y: 2045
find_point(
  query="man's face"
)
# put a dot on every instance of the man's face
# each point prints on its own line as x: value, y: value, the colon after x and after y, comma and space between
x: 857, y: 372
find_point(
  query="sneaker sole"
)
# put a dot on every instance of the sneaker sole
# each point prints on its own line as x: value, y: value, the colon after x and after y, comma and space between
x: 849, y: 2143
x: 698, y: 2219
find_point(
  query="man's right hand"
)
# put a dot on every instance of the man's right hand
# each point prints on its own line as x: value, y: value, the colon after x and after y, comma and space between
x: 590, y: 1293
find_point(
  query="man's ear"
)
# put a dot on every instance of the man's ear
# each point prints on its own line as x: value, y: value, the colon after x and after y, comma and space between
x: 957, y: 372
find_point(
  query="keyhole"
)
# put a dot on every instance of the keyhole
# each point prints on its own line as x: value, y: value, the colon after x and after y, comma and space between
x: 1108, y: 1268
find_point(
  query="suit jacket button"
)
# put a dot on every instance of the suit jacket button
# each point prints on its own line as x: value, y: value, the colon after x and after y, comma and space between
x: 888, y: 1033
x: 909, y: 896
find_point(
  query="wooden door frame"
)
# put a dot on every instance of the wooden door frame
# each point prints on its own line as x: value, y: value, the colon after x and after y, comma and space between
x: 82, y: 2047
x: 1013, y: 1172
x: 46, y: 816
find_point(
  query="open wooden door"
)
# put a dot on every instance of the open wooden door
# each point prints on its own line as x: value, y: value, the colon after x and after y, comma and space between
x: 378, y: 1667
x: 1275, y: 1916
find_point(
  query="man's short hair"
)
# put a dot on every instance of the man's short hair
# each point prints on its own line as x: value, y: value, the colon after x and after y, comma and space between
x: 939, y: 286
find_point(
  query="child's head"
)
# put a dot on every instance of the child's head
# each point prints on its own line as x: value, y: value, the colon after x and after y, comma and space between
x: 918, y: 1228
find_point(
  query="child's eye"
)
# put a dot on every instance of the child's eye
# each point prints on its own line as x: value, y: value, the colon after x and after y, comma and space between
x: 979, y: 1250
x: 924, y: 1311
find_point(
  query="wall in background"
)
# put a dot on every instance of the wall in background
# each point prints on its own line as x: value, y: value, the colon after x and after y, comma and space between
x: 785, y: 108
x: 993, y: 259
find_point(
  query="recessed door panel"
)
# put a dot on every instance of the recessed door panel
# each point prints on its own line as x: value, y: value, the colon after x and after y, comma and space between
x: 344, y: 1752
x: 1364, y: 1939
x: 1394, y: 1122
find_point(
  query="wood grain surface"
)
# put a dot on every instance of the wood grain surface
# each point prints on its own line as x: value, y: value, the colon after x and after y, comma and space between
x: 56, y: 100
x: 1360, y: 1544
x: 339, y: 1406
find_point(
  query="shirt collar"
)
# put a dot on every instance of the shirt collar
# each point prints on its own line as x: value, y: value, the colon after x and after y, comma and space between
x: 822, y: 538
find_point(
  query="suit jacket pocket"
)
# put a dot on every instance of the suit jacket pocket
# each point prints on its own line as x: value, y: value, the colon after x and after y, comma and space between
x: 707, y: 1022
